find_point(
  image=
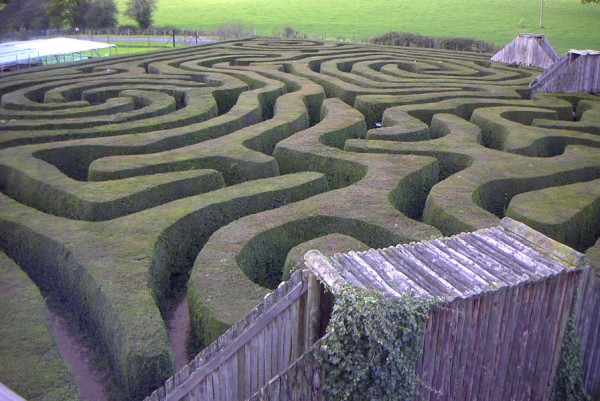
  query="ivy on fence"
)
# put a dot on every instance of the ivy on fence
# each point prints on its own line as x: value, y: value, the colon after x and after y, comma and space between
x: 373, y: 345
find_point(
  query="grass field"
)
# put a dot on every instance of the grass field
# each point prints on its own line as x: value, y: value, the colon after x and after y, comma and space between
x: 139, y: 46
x: 567, y: 23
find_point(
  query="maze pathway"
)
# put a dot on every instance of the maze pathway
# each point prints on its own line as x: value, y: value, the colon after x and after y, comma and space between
x: 122, y: 178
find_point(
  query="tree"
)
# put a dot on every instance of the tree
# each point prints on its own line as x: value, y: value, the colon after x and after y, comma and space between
x: 101, y: 14
x: 24, y: 14
x: 590, y: 1
x: 67, y: 13
x: 141, y: 11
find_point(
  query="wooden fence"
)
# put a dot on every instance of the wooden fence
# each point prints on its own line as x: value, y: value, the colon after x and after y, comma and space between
x: 588, y: 325
x: 504, y: 345
x: 301, y: 381
x: 256, y: 349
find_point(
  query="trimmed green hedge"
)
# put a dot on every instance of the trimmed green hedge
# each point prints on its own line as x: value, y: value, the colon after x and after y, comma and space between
x: 327, y: 245
x: 31, y: 362
x: 567, y: 213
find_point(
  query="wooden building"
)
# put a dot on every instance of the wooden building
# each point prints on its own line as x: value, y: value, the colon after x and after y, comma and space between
x: 505, y: 296
x: 528, y: 50
x: 577, y: 71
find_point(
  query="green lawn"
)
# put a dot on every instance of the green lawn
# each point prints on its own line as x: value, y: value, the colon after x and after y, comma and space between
x: 568, y: 23
x: 139, y: 46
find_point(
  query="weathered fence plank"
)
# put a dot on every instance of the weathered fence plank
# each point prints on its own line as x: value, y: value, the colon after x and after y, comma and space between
x: 588, y: 324
x: 247, y: 355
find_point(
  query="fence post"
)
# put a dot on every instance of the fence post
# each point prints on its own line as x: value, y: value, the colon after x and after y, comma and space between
x: 314, y: 310
x: 173, y: 37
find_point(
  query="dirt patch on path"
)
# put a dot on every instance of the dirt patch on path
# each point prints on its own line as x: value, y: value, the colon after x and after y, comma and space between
x: 91, y: 378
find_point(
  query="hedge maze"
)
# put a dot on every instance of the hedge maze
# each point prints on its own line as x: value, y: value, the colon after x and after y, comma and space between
x: 125, y: 179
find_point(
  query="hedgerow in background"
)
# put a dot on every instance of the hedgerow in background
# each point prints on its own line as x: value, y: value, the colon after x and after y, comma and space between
x: 408, y: 39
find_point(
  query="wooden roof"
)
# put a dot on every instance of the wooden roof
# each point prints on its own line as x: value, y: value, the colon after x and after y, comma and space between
x: 586, y: 52
x: 528, y: 50
x: 463, y: 265
x: 577, y: 71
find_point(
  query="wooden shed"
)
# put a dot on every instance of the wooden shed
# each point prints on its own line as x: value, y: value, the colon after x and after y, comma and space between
x: 505, y: 294
x: 528, y: 50
x: 577, y: 71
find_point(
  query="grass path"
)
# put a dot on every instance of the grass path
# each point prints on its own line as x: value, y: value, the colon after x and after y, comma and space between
x: 568, y: 23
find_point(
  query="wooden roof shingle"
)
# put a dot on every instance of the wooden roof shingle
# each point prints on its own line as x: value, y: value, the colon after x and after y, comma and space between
x: 460, y: 266
x: 530, y: 50
x: 577, y: 71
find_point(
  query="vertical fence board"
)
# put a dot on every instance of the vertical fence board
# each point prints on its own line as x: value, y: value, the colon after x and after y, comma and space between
x: 227, y: 380
x: 273, y: 354
x: 508, y: 336
x: 210, y: 395
x: 235, y: 368
x: 445, y: 351
x: 261, y: 358
x: 216, y: 385
x: 254, y: 386
x: 492, y: 342
x: 247, y: 370
x: 455, y: 316
x: 287, y: 343
x: 458, y: 318
x: 523, y: 330
x: 437, y: 334
x: 552, y: 296
x: 463, y: 310
x: 481, y: 345
x: 295, y: 348
x: 426, y: 370
x: 540, y: 322
x: 266, y: 356
x: 472, y: 354
x: 313, y: 299
x: 589, y: 327
x: 301, y: 328
x: 544, y: 313
x: 503, y: 343
x: 281, y: 345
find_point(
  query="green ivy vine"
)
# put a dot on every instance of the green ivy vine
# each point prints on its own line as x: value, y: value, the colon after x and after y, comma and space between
x: 372, y: 347
x: 569, y: 378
